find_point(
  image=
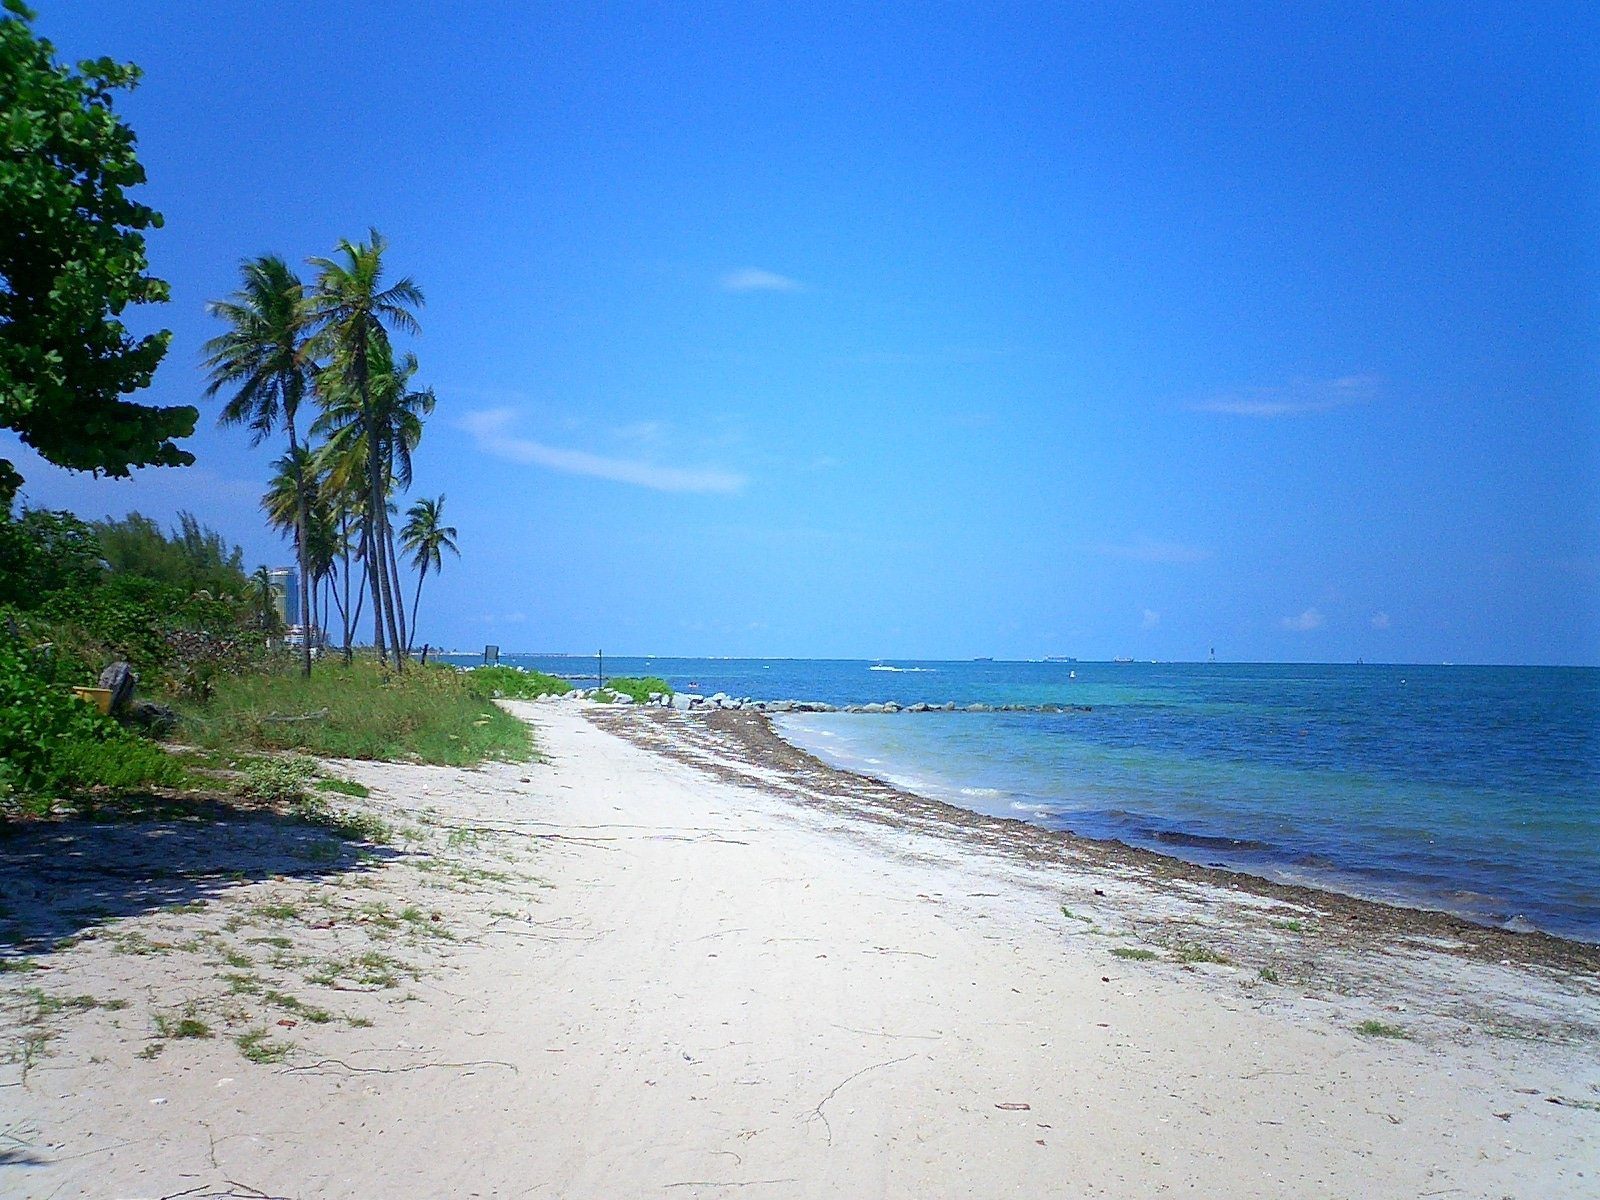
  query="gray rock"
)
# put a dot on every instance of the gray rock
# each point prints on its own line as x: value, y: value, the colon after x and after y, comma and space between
x: 869, y: 708
x: 779, y: 706
x: 684, y: 701
x: 621, y: 698
x: 155, y: 719
x: 121, y: 680
x: 979, y: 708
x: 891, y: 707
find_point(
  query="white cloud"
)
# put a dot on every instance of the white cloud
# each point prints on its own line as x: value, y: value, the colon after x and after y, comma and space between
x: 1380, y: 620
x: 1150, y: 551
x: 754, y: 279
x: 1305, y: 622
x: 490, y: 428
x: 1293, y: 399
x: 1151, y: 619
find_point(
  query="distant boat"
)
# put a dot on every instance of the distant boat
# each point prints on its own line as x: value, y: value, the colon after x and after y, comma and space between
x: 1072, y: 674
x: 1122, y: 660
x: 1058, y: 658
x: 989, y: 659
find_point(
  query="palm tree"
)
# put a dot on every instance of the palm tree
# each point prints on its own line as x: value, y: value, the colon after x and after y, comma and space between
x: 425, y: 537
x: 262, y: 595
x: 386, y: 429
x: 288, y: 503
x: 263, y: 359
x: 352, y: 314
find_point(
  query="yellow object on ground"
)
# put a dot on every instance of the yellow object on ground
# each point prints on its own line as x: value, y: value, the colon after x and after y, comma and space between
x: 99, y: 697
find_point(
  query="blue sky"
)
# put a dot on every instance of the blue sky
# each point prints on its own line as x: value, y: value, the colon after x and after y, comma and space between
x: 929, y: 330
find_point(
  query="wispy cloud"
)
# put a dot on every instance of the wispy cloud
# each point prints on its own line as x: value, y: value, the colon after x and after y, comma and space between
x: 1297, y: 398
x: 1151, y: 619
x: 1305, y: 622
x: 1380, y: 620
x: 1150, y: 551
x: 754, y: 279
x: 642, y: 431
x: 492, y: 430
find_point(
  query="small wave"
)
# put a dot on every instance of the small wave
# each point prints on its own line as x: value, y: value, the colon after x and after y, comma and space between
x: 974, y: 791
x: 1037, y: 809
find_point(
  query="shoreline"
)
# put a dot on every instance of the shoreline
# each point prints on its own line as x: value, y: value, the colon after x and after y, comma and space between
x: 1311, y: 884
x: 673, y: 956
x: 755, y: 739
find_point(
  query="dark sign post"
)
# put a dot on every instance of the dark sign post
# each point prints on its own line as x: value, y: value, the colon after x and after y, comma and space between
x: 491, y: 654
x: 600, y: 667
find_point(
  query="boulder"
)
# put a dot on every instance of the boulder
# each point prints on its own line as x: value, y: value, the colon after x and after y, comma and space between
x: 684, y: 701
x: 120, y: 680
x: 155, y: 719
x: 621, y: 698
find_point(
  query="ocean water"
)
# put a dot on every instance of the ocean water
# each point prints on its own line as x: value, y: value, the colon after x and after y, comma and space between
x: 1474, y: 790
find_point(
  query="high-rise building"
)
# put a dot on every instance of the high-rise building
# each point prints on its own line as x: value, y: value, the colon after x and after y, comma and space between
x: 286, y: 594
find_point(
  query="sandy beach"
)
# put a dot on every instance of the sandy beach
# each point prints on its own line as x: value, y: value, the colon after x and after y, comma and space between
x: 674, y: 958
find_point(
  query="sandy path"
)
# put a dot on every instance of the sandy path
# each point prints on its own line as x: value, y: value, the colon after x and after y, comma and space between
x: 708, y: 991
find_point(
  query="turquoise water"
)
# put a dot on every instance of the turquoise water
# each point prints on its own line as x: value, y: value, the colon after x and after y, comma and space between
x: 1470, y: 789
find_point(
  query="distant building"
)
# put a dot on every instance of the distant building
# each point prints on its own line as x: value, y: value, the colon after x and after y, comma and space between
x: 286, y: 594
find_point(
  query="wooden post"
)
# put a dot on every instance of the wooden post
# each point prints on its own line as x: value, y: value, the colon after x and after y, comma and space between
x: 600, y: 667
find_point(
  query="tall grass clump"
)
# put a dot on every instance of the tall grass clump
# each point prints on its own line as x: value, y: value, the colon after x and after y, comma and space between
x: 362, y: 710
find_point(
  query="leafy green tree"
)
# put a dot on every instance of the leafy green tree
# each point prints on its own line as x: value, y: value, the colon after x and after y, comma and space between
x: 42, y: 552
x: 352, y: 313
x: 192, y: 557
x: 72, y: 258
x: 263, y: 358
x: 426, y: 535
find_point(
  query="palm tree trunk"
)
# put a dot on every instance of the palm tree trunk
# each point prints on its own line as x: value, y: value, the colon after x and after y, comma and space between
x: 345, y: 612
x: 422, y: 573
x: 370, y: 553
x: 392, y: 603
x: 396, y: 591
x: 300, y: 524
x: 382, y: 597
x: 373, y: 546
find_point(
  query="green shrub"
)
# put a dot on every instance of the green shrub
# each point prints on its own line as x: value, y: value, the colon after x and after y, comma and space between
x: 639, y: 689
x: 51, y: 742
x: 513, y: 683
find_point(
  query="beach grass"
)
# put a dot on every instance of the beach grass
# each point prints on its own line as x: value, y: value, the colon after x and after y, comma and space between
x: 427, y: 714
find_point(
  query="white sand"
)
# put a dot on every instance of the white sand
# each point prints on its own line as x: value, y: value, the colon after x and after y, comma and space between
x: 673, y: 986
